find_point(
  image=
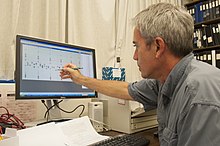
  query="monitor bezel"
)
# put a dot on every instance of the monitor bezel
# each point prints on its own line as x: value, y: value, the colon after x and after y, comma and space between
x: 18, y: 67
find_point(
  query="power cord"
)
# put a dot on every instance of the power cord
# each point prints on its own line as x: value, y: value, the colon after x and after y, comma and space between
x: 107, y: 128
x: 46, y: 115
x: 9, y: 120
x: 81, y: 105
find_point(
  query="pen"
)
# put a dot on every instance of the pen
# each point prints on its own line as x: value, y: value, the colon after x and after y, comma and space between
x: 75, y: 68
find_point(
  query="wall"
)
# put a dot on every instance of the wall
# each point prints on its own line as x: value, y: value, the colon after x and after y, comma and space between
x: 34, y: 110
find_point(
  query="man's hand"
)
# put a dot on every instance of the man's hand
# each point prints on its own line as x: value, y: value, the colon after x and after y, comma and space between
x: 71, y: 71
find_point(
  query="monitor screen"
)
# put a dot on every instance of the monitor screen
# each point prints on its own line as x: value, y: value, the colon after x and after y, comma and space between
x: 38, y: 64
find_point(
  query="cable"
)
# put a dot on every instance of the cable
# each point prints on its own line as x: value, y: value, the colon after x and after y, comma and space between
x: 105, y: 128
x: 46, y: 115
x: 43, y: 101
x: 73, y: 109
x: 10, y: 120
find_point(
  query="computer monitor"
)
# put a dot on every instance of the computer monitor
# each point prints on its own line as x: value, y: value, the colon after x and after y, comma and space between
x: 37, y: 69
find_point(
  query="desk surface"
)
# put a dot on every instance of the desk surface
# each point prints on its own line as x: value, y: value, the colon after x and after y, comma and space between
x: 149, y: 134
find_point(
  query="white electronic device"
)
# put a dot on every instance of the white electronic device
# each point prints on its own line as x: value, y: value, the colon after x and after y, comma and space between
x: 96, y: 115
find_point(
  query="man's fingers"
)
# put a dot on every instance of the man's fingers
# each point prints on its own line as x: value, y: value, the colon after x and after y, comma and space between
x: 70, y: 65
x: 65, y: 76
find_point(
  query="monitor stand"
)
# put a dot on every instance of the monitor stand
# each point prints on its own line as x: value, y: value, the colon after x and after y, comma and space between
x: 54, y: 112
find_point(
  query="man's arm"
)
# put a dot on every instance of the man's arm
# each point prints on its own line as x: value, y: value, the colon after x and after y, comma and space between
x: 116, y: 89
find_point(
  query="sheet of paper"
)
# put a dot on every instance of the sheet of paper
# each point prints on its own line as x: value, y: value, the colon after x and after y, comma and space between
x: 12, y: 141
x: 116, y: 72
x: 134, y: 105
x: 11, y: 132
x: 43, y: 135
x: 80, y: 132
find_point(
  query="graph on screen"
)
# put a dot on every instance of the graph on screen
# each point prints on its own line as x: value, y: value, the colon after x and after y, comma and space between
x: 44, y: 63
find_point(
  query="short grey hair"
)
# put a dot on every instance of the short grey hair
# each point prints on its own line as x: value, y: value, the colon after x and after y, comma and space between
x: 172, y: 23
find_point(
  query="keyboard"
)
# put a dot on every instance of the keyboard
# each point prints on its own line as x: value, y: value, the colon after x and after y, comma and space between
x: 124, y: 140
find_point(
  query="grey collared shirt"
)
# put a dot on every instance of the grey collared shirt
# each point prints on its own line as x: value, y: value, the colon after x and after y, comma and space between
x: 188, y: 103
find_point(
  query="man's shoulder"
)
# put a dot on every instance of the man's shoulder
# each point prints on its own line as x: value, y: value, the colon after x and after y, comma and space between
x: 200, y: 71
x: 203, y: 82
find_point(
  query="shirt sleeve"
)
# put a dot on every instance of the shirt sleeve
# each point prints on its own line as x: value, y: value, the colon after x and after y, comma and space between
x: 201, y: 126
x: 145, y: 92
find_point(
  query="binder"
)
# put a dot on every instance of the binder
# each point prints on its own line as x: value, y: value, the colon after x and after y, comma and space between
x: 204, y: 37
x: 203, y: 55
x: 212, y: 9
x: 199, y: 41
x: 204, y: 10
x: 207, y: 17
x: 191, y: 11
x: 195, y: 39
x: 200, y: 56
x: 208, y: 55
x: 217, y: 12
x: 198, y: 12
x: 218, y: 32
x: 209, y: 35
x: 217, y: 58
x: 215, y: 30
x: 196, y: 55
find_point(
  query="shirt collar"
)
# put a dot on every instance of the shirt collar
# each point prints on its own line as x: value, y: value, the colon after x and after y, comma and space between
x: 175, y: 75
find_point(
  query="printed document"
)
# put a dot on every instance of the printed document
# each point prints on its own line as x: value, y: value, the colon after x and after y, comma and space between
x: 44, y: 135
x: 76, y: 132
x: 80, y: 132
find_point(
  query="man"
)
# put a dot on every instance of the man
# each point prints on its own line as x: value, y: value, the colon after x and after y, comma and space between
x: 185, y: 91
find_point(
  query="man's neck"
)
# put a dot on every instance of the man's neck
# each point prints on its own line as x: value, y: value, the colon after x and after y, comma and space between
x: 167, y: 67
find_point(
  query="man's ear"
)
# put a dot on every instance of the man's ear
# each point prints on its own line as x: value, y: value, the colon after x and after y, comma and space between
x: 160, y: 46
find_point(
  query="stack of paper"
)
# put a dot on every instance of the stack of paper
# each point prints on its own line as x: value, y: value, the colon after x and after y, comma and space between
x: 10, y: 138
x: 76, y: 132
